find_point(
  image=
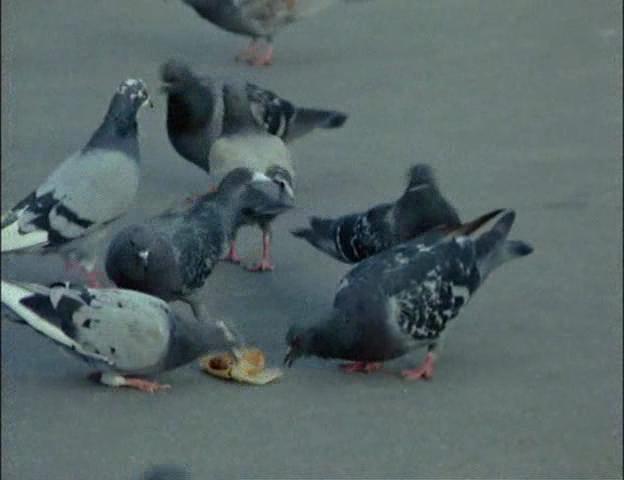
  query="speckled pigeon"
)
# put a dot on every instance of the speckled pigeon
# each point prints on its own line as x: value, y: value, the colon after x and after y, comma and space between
x: 404, y: 297
x: 172, y: 255
x: 258, y: 19
x: 354, y: 237
x: 87, y: 191
x: 123, y: 334
x: 196, y: 113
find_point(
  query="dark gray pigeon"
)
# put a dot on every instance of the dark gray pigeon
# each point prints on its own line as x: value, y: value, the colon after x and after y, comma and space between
x: 87, y: 191
x: 123, y: 334
x: 352, y: 238
x: 166, y: 472
x: 258, y: 19
x: 171, y: 255
x: 196, y: 113
x: 245, y: 144
x: 403, y: 298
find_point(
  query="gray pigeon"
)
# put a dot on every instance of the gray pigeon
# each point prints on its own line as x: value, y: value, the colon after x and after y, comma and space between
x: 403, y: 298
x: 87, y: 191
x: 354, y: 237
x: 245, y: 144
x: 122, y: 333
x: 196, y: 113
x: 166, y: 472
x: 258, y: 19
x: 171, y: 255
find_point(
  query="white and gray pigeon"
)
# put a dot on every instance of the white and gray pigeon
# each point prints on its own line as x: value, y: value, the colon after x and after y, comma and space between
x: 245, y: 144
x: 172, y: 255
x: 258, y: 19
x: 404, y: 297
x: 196, y: 113
x: 352, y: 238
x: 90, y: 189
x: 123, y: 334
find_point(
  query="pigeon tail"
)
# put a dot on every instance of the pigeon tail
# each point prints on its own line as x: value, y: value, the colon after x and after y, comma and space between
x: 176, y: 72
x: 46, y: 310
x: 29, y: 305
x: 314, y: 118
x: 493, y: 249
x: 14, y: 239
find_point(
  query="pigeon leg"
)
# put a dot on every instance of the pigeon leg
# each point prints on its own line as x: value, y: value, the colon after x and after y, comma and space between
x: 232, y: 255
x: 115, y: 380
x: 264, y: 58
x: 424, y: 372
x: 92, y: 279
x: 91, y: 275
x: 361, y: 367
x: 265, y: 264
x: 249, y: 53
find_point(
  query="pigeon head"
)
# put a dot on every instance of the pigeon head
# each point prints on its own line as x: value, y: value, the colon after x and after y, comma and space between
x: 175, y: 75
x: 132, y: 252
x: 267, y: 196
x: 299, y: 340
x: 129, y: 98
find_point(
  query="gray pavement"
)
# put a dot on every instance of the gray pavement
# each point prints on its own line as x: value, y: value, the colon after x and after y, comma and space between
x: 516, y: 104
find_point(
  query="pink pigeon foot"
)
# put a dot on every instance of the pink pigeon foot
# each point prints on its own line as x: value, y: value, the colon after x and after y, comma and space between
x: 265, y: 264
x: 248, y: 54
x: 91, y: 276
x: 145, y: 385
x: 92, y: 279
x: 361, y: 367
x: 424, y: 372
x: 232, y: 255
x: 263, y: 59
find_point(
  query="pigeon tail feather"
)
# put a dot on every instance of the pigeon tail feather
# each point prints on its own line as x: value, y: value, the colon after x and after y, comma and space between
x: 493, y: 249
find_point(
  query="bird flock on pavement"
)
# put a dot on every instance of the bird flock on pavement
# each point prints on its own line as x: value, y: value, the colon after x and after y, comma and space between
x: 416, y: 263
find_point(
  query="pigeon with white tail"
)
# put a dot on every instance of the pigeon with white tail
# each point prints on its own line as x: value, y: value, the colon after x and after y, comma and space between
x: 90, y: 189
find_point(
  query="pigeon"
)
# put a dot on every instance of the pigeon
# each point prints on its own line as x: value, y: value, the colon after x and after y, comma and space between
x: 245, y: 144
x: 171, y: 255
x: 258, y: 19
x: 166, y: 472
x: 352, y: 238
x: 404, y: 297
x: 87, y: 191
x: 123, y: 334
x: 196, y: 113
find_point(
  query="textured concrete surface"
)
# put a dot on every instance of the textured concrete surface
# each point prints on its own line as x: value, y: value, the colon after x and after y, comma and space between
x: 516, y: 104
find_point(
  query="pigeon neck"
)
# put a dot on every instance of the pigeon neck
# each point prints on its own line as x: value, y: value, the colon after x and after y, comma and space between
x: 119, y: 129
x: 214, y: 208
x: 191, y: 339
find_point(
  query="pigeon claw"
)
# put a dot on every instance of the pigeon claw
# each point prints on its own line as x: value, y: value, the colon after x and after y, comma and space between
x: 262, y: 266
x: 424, y: 372
x: 145, y: 385
x: 232, y: 255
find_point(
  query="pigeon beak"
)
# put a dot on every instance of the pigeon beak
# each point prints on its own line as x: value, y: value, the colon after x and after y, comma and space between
x: 289, y: 358
x: 144, y: 255
x: 148, y: 102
